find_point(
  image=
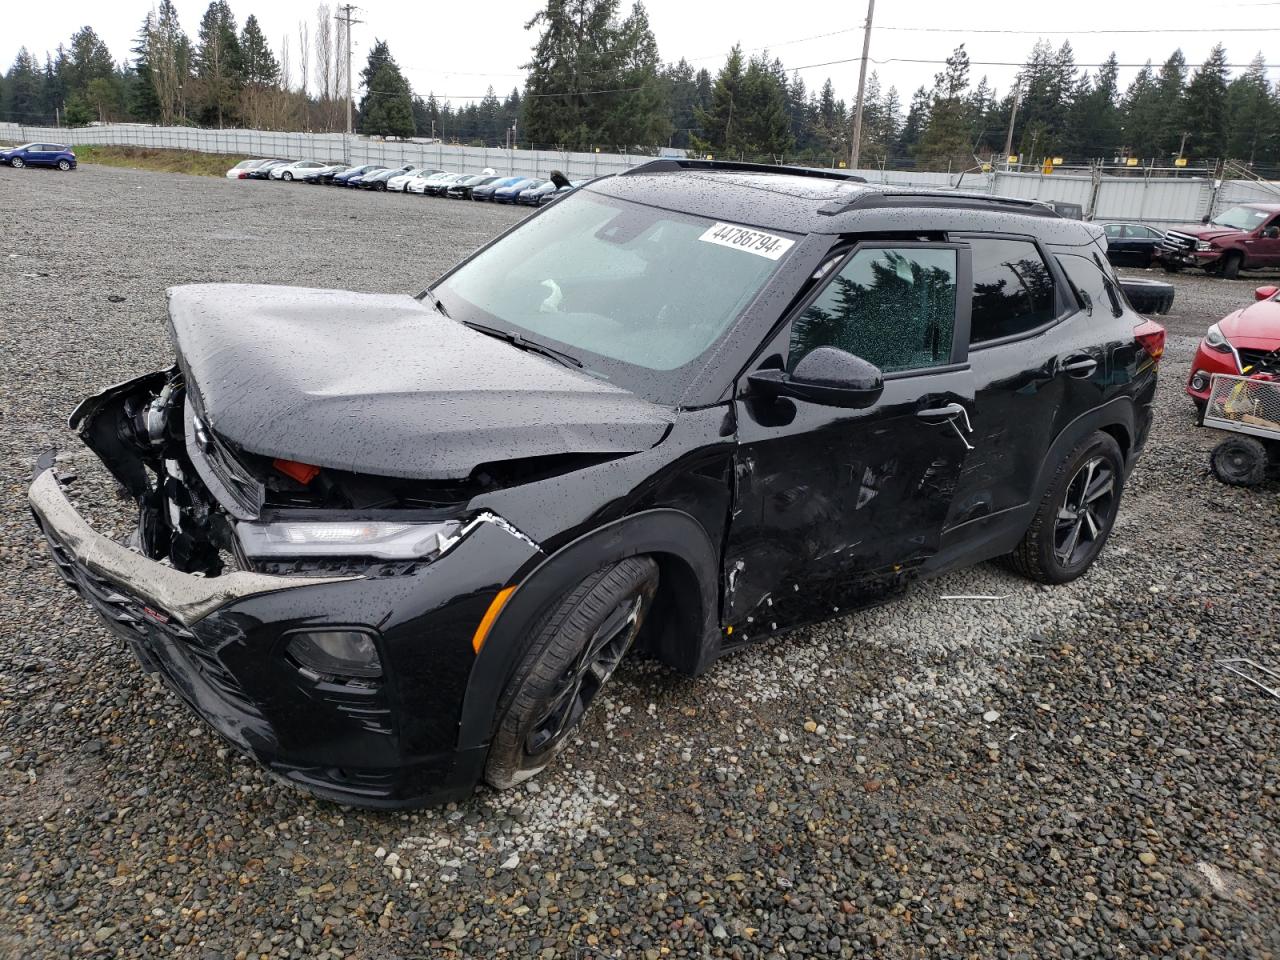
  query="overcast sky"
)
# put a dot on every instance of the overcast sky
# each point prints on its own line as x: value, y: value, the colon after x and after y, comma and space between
x: 457, y: 50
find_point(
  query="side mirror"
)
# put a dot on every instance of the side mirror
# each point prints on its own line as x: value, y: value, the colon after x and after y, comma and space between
x: 1265, y: 293
x: 825, y: 375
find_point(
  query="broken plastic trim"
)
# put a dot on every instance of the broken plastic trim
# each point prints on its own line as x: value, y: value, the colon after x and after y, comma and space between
x: 186, y: 597
x: 486, y: 517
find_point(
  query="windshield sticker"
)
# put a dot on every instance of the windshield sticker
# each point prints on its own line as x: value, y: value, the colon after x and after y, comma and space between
x: 751, y: 241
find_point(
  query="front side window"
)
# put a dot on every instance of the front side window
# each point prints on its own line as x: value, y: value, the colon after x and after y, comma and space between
x: 1114, y: 231
x: 893, y: 307
x: 1012, y: 288
x: 616, y: 284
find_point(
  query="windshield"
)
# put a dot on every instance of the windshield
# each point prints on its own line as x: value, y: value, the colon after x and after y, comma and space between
x: 1241, y: 218
x: 625, y: 288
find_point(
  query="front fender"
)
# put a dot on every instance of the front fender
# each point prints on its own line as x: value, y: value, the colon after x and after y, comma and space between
x: 688, y: 561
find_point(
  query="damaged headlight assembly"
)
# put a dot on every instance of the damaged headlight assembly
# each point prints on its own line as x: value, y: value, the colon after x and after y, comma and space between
x: 379, y: 539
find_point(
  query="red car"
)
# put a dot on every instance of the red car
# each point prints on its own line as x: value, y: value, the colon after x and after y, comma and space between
x: 1246, y: 237
x: 1244, y: 342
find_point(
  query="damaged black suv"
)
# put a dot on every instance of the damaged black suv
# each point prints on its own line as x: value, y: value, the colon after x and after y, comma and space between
x: 392, y: 546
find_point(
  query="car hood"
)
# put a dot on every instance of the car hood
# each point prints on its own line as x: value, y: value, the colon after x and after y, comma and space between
x: 1257, y: 322
x: 1205, y: 231
x: 386, y: 385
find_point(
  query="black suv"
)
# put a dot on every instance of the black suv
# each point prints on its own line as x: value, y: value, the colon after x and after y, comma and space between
x: 391, y: 546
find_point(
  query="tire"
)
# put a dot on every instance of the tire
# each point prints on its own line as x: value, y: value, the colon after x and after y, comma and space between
x: 286, y: 176
x: 559, y: 678
x: 17, y: 163
x: 64, y: 165
x: 1231, y: 266
x: 1148, y: 296
x: 1239, y: 461
x: 1057, y: 548
x: 1171, y: 267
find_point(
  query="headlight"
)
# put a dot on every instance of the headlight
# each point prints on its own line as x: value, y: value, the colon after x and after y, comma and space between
x: 1214, y: 339
x: 1204, y: 245
x: 380, y: 539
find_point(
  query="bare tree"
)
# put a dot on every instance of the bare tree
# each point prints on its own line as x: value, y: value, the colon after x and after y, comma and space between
x: 325, y: 63
x: 304, y: 54
x: 164, y: 50
x: 286, y: 68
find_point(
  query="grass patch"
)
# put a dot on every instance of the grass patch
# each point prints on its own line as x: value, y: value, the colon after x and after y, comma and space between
x: 165, y: 161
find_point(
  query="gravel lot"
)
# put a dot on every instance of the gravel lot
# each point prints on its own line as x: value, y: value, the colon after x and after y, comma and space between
x: 1057, y: 773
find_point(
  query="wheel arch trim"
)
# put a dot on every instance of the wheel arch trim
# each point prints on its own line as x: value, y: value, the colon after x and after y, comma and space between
x: 688, y: 561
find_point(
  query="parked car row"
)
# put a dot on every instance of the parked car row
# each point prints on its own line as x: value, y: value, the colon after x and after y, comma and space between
x: 486, y: 185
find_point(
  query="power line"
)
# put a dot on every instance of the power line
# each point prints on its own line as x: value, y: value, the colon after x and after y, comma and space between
x: 1071, y: 32
x: 998, y: 63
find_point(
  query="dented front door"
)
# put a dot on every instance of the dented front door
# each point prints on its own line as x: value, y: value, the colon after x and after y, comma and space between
x: 834, y: 507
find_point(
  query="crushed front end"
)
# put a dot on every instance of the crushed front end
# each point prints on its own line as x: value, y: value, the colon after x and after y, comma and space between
x: 320, y: 621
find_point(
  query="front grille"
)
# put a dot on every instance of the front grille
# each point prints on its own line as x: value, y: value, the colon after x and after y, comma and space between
x: 1179, y: 242
x: 127, y: 611
x: 1260, y: 361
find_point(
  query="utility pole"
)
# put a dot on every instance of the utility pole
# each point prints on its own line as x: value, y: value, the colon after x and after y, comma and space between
x: 1013, y: 115
x: 344, y: 18
x: 855, y: 144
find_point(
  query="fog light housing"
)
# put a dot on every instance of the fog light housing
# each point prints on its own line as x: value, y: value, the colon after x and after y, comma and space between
x: 335, y: 653
x: 1200, y: 381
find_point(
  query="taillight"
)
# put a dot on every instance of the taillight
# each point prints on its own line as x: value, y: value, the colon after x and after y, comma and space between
x: 1150, y: 336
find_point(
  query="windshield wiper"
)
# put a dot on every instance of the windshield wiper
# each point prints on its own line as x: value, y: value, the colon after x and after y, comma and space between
x: 530, y: 345
x: 436, y: 302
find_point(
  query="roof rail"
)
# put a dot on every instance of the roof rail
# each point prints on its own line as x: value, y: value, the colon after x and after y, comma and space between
x: 674, y: 164
x: 941, y: 198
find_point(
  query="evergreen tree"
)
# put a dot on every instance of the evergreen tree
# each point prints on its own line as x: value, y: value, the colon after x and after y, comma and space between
x: 217, y: 63
x: 1205, y: 107
x: 1140, y: 112
x: 764, y: 130
x: 681, y: 92
x: 1253, y: 115
x: 636, y: 114
x: 946, y: 135
x: 571, y: 62
x: 915, y: 123
x: 720, y: 121
x: 258, y: 65
x: 386, y: 109
x: 1169, y: 105
x: 1095, y: 115
x: 23, y: 91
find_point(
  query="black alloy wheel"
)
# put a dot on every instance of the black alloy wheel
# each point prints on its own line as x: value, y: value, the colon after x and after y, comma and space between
x: 575, y: 649
x: 1085, y: 513
x: 1076, y: 513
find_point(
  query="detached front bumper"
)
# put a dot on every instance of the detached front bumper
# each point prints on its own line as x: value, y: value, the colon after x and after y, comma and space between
x: 220, y: 643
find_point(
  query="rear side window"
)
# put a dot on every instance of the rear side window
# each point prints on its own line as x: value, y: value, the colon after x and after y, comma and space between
x: 1092, y: 283
x: 1012, y: 289
x: 894, y: 307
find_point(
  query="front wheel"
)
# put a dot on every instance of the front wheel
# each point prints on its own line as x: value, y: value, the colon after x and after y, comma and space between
x: 1171, y: 267
x: 286, y: 175
x: 1075, y: 515
x: 575, y: 649
x: 1231, y: 266
x: 17, y: 162
x: 64, y: 165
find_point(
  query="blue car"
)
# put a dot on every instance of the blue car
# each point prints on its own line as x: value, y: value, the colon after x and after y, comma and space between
x: 344, y: 179
x: 40, y: 155
x: 487, y: 191
x: 511, y: 192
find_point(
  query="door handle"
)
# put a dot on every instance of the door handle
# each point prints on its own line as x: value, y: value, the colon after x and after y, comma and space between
x: 950, y: 412
x: 1080, y: 367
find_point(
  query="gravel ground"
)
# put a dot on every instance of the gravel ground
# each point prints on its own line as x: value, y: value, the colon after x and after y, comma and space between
x: 1056, y: 773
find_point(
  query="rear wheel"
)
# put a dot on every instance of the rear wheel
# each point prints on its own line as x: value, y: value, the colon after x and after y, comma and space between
x: 1231, y: 266
x: 576, y: 648
x: 1075, y: 515
x: 64, y: 164
x: 1239, y: 461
